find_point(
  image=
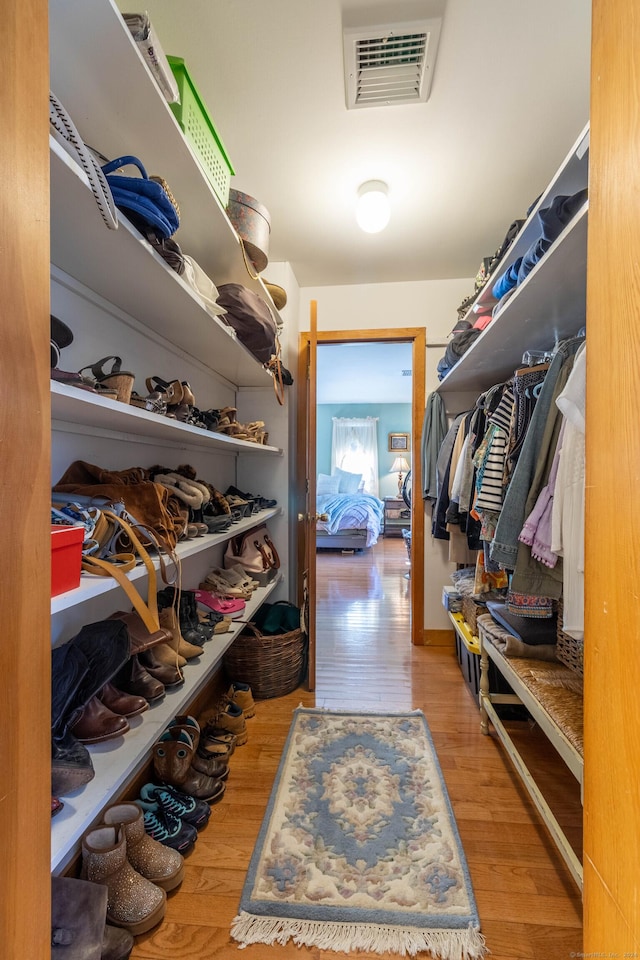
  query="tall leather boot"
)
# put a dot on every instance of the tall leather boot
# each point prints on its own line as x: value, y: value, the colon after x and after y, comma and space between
x: 79, y: 930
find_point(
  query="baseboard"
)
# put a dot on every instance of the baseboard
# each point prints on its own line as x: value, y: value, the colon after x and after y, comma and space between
x: 438, y: 638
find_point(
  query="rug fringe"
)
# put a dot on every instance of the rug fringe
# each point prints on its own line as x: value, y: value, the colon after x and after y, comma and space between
x: 468, y: 944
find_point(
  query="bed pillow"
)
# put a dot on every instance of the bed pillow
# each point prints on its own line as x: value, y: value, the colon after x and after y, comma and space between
x: 326, y: 485
x: 349, y: 482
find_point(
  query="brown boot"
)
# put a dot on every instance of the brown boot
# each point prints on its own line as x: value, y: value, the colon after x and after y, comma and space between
x: 240, y: 694
x: 132, y: 902
x: 169, y: 621
x: 153, y: 860
x: 172, y: 762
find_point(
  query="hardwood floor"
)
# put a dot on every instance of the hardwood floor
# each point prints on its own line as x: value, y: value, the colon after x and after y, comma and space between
x: 530, y: 908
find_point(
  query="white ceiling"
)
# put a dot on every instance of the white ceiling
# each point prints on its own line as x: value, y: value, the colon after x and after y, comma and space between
x: 364, y: 373
x: 510, y: 95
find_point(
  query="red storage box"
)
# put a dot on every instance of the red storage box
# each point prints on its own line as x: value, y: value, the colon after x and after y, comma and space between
x: 66, y: 558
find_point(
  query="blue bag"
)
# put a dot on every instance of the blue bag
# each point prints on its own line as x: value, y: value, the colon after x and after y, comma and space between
x: 143, y: 200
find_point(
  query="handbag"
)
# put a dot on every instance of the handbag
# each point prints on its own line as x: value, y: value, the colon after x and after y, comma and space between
x: 144, y: 200
x: 251, y: 318
x: 255, y: 552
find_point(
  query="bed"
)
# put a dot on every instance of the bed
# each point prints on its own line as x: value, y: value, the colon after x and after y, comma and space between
x: 354, y: 521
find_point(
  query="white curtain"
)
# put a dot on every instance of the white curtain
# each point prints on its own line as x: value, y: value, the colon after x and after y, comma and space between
x: 354, y: 448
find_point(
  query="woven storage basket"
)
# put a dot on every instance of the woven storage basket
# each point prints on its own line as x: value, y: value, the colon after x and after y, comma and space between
x: 271, y: 665
x: 569, y: 650
x: 470, y: 610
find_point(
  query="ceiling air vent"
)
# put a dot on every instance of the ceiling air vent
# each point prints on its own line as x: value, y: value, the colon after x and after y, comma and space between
x: 389, y: 64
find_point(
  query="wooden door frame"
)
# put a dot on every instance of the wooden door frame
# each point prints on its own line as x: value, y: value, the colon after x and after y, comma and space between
x: 25, y: 506
x: 417, y: 337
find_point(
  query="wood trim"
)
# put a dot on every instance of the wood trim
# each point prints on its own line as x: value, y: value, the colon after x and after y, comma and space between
x: 439, y: 638
x: 25, y: 653
x: 612, y: 567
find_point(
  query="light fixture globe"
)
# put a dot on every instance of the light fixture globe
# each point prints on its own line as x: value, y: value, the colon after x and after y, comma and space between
x: 372, y: 209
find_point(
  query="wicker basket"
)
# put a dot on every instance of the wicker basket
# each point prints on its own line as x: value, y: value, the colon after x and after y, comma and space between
x: 569, y: 650
x: 271, y: 665
x: 470, y: 610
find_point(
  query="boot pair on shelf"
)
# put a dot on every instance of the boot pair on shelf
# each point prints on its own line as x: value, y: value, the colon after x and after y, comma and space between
x: 137, y: 870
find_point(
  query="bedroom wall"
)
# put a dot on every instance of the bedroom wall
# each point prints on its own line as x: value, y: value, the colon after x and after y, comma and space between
x: 392, y: 418
x: 428, y: 303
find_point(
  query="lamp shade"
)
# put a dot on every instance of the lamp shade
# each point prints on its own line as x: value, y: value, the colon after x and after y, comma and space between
x: 399, y: 465
x: 372, y: 209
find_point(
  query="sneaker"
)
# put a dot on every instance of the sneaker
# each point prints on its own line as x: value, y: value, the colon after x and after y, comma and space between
x: 179, y: 805
x: 240, y: 694
x: 166, y: 828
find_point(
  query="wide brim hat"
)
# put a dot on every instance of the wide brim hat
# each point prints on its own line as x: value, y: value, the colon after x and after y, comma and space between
x: 277, y: 293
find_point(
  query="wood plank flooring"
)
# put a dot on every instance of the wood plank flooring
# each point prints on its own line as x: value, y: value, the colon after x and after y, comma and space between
x: 530, y: 908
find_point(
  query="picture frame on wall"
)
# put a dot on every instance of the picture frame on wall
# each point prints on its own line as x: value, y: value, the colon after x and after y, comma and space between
x: 399, y: 442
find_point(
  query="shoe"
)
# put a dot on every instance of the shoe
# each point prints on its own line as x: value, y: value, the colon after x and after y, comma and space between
x: 121, y: 703
x: 231, y: 718
x: 95, y: 723
x: 151, y: 859
x: 71, y: 765
x: 134, y: 679
x: 232, y: 608
x: 240, y: 694
x: 195, y: 813
x: 78, y: 923
x: 216, y: 583
x: 56, y: 806
x: 169, y: 620
x: 133, y: 902
x: 166, y: 828
x: 172, y: 756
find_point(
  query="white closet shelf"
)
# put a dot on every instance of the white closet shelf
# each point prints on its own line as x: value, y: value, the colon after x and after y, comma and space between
x: 122, y: 268
x: 118, y: 110
x: 548, y: 306
x: 93, y: 586
x: 117, y: 761
x: 72, y: 408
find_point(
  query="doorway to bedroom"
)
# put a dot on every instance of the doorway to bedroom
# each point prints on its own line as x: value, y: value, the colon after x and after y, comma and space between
x: 365, y: 433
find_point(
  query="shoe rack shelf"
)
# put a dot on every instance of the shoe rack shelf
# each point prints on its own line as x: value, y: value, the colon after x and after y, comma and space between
x: 118, y: 110
x: 146, y: 288
x: 75, y: 409
x: 548, y: 306
x: 92, y: 586
x: 117, y: 762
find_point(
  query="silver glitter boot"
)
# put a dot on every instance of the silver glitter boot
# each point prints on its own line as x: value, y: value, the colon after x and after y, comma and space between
x: 133, y: 902
x: 153, y: 860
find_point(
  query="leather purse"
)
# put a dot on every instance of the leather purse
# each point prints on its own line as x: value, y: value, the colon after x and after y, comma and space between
x: 144, y: 200
x: 251, y: 318
x: 254, y: 551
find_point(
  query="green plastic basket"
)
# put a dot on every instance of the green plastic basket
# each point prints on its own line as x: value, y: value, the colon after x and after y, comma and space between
x: 200, y: 132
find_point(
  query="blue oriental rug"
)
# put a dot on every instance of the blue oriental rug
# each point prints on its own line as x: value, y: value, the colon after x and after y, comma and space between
x: 359, y: 849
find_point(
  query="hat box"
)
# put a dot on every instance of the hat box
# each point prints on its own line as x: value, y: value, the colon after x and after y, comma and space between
x: 253, y: 225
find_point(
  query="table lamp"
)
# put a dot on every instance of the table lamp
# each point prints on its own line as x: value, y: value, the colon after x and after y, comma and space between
x: 399, y: 466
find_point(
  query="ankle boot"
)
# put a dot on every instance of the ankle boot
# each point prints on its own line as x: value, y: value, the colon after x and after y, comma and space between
x: 189, y: 604
x: 231, y: 718
x: 71, y: 765
x: 190, y: 627
x: 134, y: 679
x: 151, y: 859
x: 95, y: 723
x: 172, y: 756
x: 163, y: 663
x: 78, y: 923
x: 120, y: 702
x: 132, y: 901
x: 169, y: 620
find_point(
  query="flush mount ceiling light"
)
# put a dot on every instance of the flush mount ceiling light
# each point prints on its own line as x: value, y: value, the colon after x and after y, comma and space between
x: 372, y: 209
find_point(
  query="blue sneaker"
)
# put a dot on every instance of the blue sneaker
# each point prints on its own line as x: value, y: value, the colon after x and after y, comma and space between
x: 177, y: 805
x: 167, y: 828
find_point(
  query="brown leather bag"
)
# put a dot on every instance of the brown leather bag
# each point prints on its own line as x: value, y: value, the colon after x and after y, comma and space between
x: 147, y: 503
